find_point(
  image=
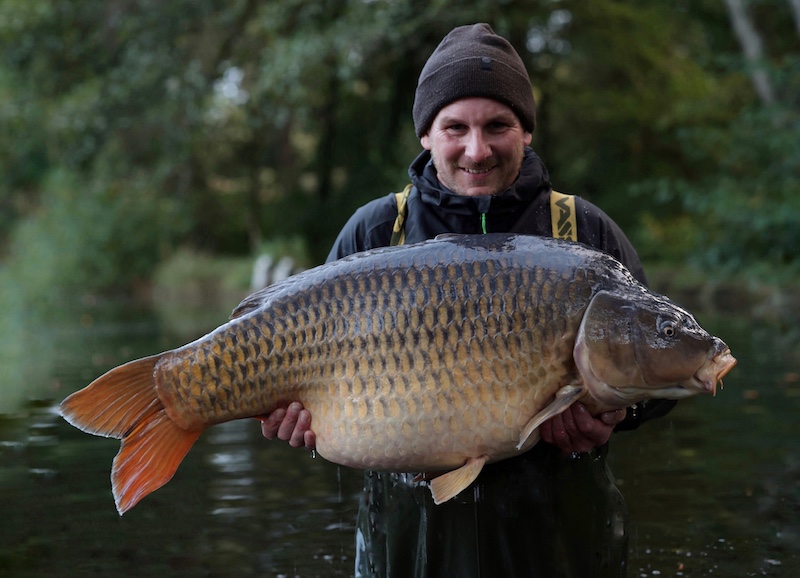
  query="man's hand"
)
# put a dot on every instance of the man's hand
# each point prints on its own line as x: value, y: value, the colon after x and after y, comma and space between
x: 575, y: 430
x: 291, y: 424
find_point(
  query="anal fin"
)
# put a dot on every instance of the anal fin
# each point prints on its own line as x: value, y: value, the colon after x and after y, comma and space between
x: 449, y: 485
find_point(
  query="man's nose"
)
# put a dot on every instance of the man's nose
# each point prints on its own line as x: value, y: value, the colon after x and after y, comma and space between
x: 477, y: 147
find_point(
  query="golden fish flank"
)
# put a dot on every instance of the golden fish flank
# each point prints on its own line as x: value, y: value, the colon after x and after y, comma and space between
x: 440, y: 356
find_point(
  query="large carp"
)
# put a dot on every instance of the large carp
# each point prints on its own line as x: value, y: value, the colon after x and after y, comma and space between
x: 435, y: 357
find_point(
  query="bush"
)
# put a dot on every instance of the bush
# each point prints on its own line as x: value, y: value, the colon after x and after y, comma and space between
x: 88, y: 238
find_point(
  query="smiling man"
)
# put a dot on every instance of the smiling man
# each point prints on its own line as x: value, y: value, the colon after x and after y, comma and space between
x: 555, y: 510
x: 476, y: 145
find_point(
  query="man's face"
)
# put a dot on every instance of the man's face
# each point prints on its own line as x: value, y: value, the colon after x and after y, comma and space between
x: 477, y: 146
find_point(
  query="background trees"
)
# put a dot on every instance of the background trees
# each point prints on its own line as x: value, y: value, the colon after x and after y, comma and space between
x: 132, y: 128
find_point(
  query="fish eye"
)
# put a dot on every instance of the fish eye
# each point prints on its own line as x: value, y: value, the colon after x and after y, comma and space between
x: 667, y: 328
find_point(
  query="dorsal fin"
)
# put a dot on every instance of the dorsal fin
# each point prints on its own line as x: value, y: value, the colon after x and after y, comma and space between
x: 256, y: 300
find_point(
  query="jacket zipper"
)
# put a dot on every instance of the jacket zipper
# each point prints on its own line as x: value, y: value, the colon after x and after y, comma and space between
x: 483, y: 223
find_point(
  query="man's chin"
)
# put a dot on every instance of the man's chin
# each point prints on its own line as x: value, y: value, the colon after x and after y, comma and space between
x: 477, y: 192
x: 473, y: 189
x: 473, y: 186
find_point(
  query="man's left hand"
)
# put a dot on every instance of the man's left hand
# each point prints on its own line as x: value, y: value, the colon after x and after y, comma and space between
x: 576, y: 430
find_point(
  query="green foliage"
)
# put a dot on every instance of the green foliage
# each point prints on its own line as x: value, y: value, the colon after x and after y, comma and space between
x: 743, y: 201
x: 617, y: 80
x: 88, y: 237
x: 193, y: 291
x: 296, y: 248
x: 193, y: 279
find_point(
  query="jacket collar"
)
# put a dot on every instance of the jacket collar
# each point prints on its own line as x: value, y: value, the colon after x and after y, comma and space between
x: 533, y: 181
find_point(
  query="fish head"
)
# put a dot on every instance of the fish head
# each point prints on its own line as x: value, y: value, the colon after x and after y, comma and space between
x: 639, y: 345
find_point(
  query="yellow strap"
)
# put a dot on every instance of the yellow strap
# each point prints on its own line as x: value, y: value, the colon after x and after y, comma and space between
x: 399, y: 231
x: 562, y: 216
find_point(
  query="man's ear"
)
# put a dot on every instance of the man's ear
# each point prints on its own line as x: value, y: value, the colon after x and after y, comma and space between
x: 527, y: 138
x: 425, y: 141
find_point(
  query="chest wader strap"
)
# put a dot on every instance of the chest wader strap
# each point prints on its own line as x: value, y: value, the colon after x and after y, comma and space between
x: 399, y: 230
x: 562, y: 216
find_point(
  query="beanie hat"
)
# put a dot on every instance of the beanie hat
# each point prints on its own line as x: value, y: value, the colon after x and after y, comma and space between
x: 473, y: 61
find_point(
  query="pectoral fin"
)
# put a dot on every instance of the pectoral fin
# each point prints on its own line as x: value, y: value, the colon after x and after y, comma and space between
x: 449, y: 485
x: 564, y: 398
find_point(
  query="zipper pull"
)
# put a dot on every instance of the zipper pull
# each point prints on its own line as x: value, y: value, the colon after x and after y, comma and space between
x: 483, y: 223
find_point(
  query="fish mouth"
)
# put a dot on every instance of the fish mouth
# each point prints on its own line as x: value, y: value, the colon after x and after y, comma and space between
x: 711, y: 373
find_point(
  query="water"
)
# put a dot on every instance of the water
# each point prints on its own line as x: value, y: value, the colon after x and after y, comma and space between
x: 713, y: 488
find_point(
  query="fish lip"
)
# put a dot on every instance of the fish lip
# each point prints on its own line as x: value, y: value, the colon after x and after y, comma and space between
x: 726, y: 361
x: 711, y: 373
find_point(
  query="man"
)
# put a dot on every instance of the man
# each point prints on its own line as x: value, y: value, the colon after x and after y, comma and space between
x: 555, y: 510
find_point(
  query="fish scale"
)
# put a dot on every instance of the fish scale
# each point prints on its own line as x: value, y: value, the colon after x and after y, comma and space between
x: 440, y: 356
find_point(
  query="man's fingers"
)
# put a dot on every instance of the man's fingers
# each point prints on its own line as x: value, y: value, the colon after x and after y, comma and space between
x: 614, y: 417
x: 576, y: 430
x: 303, y: 422
x: 271, y: 423
x: 289, y: 422
x: 557, y: 433
x: 584, y: 423
x: 568, y: 419
x: 593, y: 431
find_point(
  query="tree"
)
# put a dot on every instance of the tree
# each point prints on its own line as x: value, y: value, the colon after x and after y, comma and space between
x: 739, y: 192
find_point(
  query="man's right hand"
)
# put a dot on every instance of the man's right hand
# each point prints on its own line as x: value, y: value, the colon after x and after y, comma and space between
x: 292, y: 424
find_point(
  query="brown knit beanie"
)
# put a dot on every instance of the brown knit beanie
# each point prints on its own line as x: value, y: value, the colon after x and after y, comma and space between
x: 473, y: 61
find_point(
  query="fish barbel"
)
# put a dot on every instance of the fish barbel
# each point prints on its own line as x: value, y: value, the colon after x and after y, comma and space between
x: 435, y: 357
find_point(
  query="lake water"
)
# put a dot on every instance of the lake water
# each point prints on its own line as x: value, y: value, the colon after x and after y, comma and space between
x: 713, y: 488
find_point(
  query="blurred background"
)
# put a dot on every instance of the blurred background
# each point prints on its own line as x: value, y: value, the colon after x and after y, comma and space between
x: 151, y: 153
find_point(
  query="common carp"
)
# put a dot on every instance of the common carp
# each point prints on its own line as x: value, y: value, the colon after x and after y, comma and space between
x: 435, y: 357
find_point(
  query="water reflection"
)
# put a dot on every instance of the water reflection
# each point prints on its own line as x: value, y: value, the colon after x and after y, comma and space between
x: 713, y: 489
x: 232, y: 493
x: 273, y: 510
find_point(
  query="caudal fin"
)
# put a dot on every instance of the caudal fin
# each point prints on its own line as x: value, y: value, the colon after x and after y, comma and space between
x: 123, y: 404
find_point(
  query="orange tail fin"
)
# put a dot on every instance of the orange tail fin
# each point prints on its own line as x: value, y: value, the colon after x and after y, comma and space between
x: 123, y: 404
